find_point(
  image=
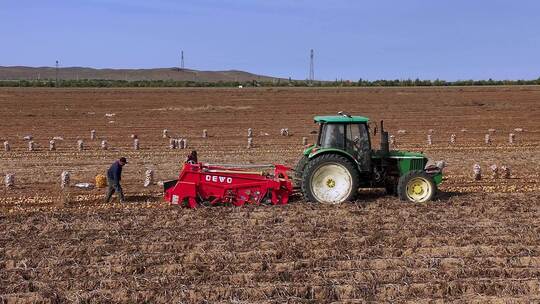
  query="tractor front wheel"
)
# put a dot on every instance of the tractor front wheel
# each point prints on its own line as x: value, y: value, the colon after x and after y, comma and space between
x: 330, y: 179
x: 416, y: 186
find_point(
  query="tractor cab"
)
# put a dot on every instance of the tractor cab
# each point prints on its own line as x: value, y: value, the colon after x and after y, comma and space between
x: 348, y: 134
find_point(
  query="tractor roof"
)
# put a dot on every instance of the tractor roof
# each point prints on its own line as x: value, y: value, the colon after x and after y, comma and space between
x: 341, y: 119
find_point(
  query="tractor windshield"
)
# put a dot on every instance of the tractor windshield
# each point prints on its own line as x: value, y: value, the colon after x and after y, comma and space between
x: 352, y: 138
x: 332, y: 136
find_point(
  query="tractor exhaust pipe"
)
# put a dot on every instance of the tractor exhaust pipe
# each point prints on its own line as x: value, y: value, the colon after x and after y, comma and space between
x: 385, y: 146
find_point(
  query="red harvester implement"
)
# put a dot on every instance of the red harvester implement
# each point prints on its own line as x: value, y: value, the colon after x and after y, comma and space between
x: 234, y: 184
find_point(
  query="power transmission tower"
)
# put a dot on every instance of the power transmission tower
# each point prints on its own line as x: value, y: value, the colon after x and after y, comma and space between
x: 311, y: 67
x: 57, y: 65
x: 182, y: 61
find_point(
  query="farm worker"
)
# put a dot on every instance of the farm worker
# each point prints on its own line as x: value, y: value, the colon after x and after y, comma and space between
x: 114, y: 175
x: 192, y: 157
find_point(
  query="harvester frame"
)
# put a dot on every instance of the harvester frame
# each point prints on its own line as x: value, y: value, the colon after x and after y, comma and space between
x: 211, y: 184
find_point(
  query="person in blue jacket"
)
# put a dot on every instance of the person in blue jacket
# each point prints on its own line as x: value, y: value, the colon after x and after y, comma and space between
x: 114, y: 175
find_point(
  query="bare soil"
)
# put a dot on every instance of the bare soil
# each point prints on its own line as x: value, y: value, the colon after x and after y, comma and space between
x: 479, y: 241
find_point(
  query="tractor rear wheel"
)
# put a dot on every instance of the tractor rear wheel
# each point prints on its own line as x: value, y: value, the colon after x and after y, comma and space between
x: 299, y: 169
x: 416, y: 186
x: 330, y: 179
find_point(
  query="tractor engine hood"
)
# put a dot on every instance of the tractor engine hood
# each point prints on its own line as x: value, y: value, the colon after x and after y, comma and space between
x: 398, y: 154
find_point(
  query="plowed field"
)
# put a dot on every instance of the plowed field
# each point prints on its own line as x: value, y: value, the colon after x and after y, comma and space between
x: 479, y: 241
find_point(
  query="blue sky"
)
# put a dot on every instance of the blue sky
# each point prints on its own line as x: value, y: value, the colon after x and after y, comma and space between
x: 427, y: 39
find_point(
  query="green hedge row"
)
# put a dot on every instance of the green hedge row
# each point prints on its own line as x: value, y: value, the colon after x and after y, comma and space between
x: 96, y: 83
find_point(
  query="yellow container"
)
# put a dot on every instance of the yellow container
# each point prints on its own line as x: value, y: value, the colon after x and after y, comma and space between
x: 101, y: 181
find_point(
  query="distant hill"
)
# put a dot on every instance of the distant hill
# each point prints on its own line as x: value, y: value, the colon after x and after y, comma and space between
x: 177, y: 74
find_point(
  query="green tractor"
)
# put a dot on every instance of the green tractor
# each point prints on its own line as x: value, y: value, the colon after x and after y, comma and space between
x: 341, y: 161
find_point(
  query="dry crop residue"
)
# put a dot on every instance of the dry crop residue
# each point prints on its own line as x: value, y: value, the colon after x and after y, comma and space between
x: 478, y: 242
x: 462, y: 247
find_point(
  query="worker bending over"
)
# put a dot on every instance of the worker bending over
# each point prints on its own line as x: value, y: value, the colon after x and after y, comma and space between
x: 114, y: 175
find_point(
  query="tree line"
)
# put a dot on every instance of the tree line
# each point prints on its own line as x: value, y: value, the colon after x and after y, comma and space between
x: 103, y: 83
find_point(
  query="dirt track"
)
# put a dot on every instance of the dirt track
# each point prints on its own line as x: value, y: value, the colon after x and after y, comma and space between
x: 480, y: 241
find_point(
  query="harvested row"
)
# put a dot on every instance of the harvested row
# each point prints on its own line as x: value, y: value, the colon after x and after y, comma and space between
x: 383, y: 250
x: 477, y: 242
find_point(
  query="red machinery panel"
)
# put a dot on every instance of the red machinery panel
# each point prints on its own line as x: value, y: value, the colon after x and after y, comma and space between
x: 236, y: 185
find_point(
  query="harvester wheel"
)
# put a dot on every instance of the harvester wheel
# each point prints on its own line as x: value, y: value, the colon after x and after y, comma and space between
x: 330, y: 179
x: 416, y: 186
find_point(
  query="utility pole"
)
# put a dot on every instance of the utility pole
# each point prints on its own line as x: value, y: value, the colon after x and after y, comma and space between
x: 311, y: 68
x: 57, y: 65
x: 182, y: 61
